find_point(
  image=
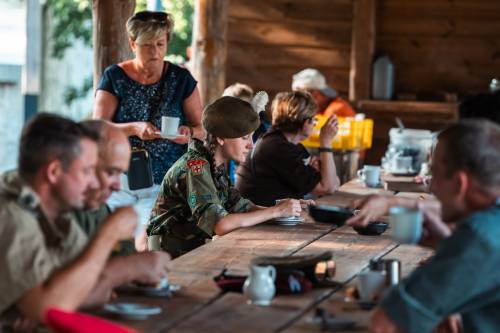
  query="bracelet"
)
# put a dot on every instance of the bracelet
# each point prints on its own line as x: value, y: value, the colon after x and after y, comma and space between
x: 325, y: 150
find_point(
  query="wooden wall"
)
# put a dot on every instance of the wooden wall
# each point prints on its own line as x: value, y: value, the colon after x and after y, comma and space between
x: 270, y: 40
x: 441, y: 45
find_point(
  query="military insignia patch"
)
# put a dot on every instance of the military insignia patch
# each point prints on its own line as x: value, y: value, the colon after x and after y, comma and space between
x: 196, y: 166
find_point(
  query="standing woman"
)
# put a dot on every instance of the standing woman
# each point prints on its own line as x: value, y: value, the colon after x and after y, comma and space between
x: 136, y: 93
x: 195, y: 201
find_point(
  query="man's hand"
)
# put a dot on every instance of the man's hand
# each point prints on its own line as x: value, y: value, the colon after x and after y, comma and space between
x: 381, y: 323
x: 149, y: 267
x: 370, y: 209
x: 434, y: 229
x: 121, y: 223
x: 452, y: 324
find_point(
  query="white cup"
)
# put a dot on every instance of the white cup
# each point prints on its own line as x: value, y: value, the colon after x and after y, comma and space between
x: 169, y: 125
x: 406, y: 225
x: 370, y: 283
x: 370, y: 175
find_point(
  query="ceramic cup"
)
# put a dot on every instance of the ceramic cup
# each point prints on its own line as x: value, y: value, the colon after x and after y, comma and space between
x: 406, y: 225
x: 369, y: 284
x: 370, y: 175
x: 169, y: 125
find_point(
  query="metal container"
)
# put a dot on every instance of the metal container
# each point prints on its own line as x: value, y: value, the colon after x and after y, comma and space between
x: 391, y: 267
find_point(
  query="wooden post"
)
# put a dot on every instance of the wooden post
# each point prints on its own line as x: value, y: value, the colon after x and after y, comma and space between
x: 210, y: 47
x: 109, y: 33
x: 362, y: 49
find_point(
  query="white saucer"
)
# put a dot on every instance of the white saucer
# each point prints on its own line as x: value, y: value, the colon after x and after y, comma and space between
x: 131, y: 310
x: 172, y: 136
x: 292, y: 220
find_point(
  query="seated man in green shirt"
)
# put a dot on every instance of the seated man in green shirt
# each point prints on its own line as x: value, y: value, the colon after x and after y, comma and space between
x: 46, y: 259
x: 463, y: 276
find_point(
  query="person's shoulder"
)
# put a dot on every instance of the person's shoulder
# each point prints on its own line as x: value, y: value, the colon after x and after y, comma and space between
x: 274, y: 141
x: 114, y: 71
x: 17, y: 219
x: 180, y: 72
x: 485, y: 225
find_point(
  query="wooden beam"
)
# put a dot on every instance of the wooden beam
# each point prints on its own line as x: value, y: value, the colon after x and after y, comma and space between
x: 109, y: 33
x: 362, y: 48
x: 210, y: 47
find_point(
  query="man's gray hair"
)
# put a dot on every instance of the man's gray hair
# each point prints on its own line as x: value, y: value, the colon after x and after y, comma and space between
x: 473, y: 146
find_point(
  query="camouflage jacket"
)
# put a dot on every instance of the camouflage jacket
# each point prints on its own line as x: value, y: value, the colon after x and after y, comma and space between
x: 192, y: 199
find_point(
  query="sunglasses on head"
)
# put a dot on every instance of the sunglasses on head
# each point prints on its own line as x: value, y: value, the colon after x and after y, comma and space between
x: 151, y: 16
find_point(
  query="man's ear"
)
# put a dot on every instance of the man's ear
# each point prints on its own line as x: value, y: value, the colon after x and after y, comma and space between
x: 462, y: 183
x: 53, y: 171
x: 220, y: 141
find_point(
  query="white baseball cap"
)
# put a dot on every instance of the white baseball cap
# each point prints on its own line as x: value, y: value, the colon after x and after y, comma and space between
x: 312, y: 79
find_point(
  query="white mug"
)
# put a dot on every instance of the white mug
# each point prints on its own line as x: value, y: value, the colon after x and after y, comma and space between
x: 370, y: 175
x: 406, y: 225
x: 169, y: 125
x: 369, y: 284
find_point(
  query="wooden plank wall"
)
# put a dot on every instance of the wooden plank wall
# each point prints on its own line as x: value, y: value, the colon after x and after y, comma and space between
x: 441, y: 45
x: 270, y: 40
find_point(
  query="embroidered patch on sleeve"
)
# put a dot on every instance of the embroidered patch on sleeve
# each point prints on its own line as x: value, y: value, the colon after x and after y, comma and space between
x: 196, y: 166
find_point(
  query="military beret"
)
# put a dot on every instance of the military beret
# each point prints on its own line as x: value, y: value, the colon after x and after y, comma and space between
x: 230, y: 117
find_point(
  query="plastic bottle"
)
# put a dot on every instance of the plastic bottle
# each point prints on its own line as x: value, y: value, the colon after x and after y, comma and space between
x: 383, y: 78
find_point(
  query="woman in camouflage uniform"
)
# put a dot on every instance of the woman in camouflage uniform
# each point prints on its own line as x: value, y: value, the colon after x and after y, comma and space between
x: 196, y: 201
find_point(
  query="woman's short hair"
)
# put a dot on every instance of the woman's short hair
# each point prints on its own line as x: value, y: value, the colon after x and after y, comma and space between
x: 291, y: 109
x: 146, y: 26
x: 240, y: 90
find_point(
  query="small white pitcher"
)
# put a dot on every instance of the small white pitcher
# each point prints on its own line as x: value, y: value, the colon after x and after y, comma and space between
x: 259, y: 286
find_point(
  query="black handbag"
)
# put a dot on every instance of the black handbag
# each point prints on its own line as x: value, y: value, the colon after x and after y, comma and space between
x: 140, y: 170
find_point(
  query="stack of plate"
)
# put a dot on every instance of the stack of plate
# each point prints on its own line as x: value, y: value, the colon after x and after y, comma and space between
x: 289, y: 220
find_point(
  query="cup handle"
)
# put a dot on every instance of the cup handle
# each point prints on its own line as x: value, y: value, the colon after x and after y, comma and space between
x: 361, y: 173
x: 272, y: 272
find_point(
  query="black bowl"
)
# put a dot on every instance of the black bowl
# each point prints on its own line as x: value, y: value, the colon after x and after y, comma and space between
x: 372, y: 229
x: 330, y: 214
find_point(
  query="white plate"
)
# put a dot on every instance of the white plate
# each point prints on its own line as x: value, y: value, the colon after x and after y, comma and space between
x: 131, y: 310
x: 294, y: 220
x: 172, y: 136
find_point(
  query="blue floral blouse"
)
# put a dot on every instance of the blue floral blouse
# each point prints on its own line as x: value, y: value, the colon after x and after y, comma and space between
x: 135, y: 103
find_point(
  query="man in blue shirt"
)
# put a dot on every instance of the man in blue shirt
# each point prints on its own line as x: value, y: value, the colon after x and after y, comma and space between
x: 464, y: 275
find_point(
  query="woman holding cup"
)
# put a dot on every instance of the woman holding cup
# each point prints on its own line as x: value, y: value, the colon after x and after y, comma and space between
x: 137, y: 93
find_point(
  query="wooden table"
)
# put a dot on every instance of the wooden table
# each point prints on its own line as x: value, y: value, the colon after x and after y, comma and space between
x: 200, y: 307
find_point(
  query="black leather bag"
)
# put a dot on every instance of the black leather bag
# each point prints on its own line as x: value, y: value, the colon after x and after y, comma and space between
x: 140, y: 172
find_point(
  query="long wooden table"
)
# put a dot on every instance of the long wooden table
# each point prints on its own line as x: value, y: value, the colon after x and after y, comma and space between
x: 201, y: 307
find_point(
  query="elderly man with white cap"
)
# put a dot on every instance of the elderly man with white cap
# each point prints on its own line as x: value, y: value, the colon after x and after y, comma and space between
x: 327, y: 98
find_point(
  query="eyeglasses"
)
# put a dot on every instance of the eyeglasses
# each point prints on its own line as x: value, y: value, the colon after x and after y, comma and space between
x: 147, y: 15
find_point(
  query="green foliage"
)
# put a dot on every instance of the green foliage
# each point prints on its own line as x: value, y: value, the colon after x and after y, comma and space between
x: 182, y: 10
x: 72, y: 20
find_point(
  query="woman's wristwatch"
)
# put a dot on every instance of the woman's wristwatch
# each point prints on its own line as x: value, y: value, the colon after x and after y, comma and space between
x: 325, y: 150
